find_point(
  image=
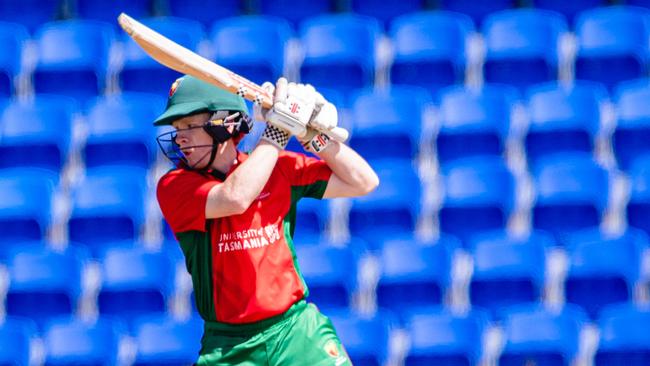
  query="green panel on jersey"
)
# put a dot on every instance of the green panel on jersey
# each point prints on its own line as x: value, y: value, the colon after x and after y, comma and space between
x: 198, y: 260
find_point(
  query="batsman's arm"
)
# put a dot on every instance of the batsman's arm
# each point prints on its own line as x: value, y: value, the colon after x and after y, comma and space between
x: 351, y: 174
x: 244, y: 184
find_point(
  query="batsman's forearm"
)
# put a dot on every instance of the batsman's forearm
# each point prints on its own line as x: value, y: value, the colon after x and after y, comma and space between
x: 246, y: 182
x: 350, y: 168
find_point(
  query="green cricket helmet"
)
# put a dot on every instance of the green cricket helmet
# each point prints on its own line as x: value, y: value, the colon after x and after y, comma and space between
x: 188, y: 96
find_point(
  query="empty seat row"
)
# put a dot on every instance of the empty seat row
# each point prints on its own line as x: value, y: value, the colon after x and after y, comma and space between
x: 571, y: 191
x: 561, y: 118
x: 518, y: 53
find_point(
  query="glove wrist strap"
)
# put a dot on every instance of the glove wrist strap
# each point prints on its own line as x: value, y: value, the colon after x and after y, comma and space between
x: 318, y: 143
x: 276, y: 136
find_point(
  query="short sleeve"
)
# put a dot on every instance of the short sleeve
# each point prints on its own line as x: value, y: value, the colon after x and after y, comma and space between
x: 182, y: 196
x: 309, y: 176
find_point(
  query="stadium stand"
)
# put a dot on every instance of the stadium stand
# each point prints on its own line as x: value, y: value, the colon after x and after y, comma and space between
x: 439, y: 336
x: 633, y: 121
x: 44, y: 283
x: 563, y: 118
x: 116, y: 132
x: 572, y: 193
x: 479, y: 187
x: 252, y: 46
x: 140, y: 73
x: 195, y: 9
x: 623, y: 339
x: 510, y: 226
x: 474, y: 121
x: 339, y: 51
x: 13, y: 38
x: 542, y: 336
x: 382, y: 115
x: 73, y: 58
x: 38, y: 132
x: 522, y: 46
x: 108, y: 205
x: 430, y: 49
x: 73, y: 341
x: 612, y: 44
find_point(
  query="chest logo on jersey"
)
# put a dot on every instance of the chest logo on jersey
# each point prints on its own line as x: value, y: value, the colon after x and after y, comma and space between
x: 263, y: 196
x: 248, y: 239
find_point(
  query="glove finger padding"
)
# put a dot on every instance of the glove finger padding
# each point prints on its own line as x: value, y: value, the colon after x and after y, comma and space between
x: 326, y: 118
x: 292, y: 109
x: 258, y: 111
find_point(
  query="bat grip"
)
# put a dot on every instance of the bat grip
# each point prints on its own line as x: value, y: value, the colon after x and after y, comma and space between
x: 338, y: 133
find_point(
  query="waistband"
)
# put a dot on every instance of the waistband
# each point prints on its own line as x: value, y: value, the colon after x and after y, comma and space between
x: 256, y: 327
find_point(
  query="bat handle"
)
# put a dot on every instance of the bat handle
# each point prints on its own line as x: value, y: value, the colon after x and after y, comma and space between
x: 338, y: 133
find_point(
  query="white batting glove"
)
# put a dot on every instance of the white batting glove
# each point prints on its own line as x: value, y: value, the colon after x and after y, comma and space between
x: 325, y: 115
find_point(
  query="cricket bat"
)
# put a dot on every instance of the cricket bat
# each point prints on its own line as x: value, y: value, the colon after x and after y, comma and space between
x: 183, y: 60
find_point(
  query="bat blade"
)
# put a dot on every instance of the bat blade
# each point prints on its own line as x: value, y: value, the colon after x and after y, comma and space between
x: 183, y: 60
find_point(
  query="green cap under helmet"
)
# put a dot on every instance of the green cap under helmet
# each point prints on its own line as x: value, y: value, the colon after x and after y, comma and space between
x: 189, y: 95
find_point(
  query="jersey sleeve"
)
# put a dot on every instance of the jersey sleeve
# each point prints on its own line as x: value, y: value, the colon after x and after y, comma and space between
x: 308, y: 176
x: 182, y: 197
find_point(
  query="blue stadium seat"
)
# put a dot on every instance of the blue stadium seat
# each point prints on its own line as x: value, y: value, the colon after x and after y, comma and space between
x: 293, y: 11
x: 643, y: 3
x: 161, y: 340
x: 365, y: 338
x: 205, y: 11
x: 70, y: 341
x: 44, y: 283
x: 134, y: 283
x: 414, y: 274
x: 73, y: 58
x: 563, y: 118
x: 25, y: 204
x: 539, y: 336
x: 386, y: 11
x: 474, y: 122
x: 15, y: 336
x: 37, y: 133
x: 339, y: 51
x: 388, y: 121
x: 321, y: 266
x: 440, y: 337
x: 140, y: 72
x: 602, y: 270
x: 569, y: 8
x: 623, y: 336
x: 503, y: 237
x: 638, y: 207
x: 108, y: 205
x: 633, y: 122
x: 572, y: 193
x: 522, y: 46
x: 30, y: 13
x: 118, y: 132
x: 108, y: 11
x: 13, y: 37
x: 311, y: 218
x: 612, y: 44
x: 394, y: 205
x: 477, y: 10
x: 479, y: 196
x: 252, y: 46
x: 507, y: 273
x: 429, y: 49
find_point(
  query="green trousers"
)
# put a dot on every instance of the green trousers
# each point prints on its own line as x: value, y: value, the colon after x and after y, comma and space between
x: 300, y: 336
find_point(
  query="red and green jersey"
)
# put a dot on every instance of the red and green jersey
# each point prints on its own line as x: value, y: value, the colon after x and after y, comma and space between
x: 243, y: 267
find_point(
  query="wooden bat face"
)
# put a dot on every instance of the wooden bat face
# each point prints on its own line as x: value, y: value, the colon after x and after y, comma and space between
x: 185, y: 61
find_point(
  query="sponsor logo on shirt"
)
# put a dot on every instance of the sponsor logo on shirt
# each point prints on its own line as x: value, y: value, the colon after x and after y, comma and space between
x: 248, y: 239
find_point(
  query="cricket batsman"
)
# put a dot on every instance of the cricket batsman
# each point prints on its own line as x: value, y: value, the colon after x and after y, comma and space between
x: 234, y: 216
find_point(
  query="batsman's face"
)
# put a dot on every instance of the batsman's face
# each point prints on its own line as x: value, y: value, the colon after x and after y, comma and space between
x: 192, y: 139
